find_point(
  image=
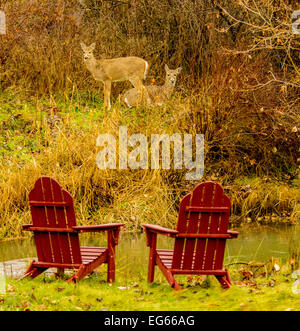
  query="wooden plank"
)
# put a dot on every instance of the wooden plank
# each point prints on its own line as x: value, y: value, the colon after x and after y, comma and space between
x: 215, y: 220
x: 56, y: 265
x: 193, y: 209
x: 220, y: 247
x: 48, y: 203
x: 49, y: 229
x: 167, y: 273
x: 198, y: 272
x: 95, y: 228
x: 52, y: 219
x: 181, y: 228
x: 202, y: 196
x: 63, y: 238
x: 92, y: 251
x: 111, y: 267
x: 203, y: 225
x: 208, y: 235
x: 152, y: 256
x: 39, y: 219
x: 71, y: 222
x: 159, y: 229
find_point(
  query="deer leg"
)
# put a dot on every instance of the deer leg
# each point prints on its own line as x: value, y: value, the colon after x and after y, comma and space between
x: 143, y: 93
x: 107, y: 91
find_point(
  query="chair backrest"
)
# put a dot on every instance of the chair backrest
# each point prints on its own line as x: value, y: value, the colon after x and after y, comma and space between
x: 202, y: 224
x: 53, y: 216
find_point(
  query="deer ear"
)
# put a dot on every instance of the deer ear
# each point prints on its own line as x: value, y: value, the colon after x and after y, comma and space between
x: 92, y: 47
x: 166, y: 67
x: 83, y: 46
x: 179, y: 70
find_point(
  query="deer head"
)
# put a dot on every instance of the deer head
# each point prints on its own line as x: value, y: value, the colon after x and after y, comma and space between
x: 88, y: 51
x: 171, y: 75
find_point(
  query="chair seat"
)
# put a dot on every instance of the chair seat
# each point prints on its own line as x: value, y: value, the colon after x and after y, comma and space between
x: 89, y: 254
x: 166, y: 257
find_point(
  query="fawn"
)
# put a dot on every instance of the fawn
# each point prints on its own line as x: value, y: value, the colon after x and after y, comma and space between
x: 107, y: 71
x: 158, y: 95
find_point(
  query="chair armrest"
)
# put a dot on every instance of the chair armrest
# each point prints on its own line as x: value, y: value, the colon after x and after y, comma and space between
x: 233, y: 234
x: 160, y: 230
x: 98, y: 228
x: 26, y: 226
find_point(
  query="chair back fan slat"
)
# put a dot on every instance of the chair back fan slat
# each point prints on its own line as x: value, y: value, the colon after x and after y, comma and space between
x: 181, y: 227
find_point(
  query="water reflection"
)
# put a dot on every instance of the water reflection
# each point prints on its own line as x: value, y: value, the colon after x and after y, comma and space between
x: 253, y: 244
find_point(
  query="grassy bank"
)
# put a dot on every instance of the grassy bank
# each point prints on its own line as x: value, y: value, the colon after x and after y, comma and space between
x: 56, y: 136
x: 272, y: 293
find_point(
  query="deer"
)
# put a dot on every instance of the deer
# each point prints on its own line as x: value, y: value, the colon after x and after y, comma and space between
x: 130, y: 68
x: 158, y: 95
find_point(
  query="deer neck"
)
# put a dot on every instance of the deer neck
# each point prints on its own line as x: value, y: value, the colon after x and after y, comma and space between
x: 91, y: 64
x: 168, y: 89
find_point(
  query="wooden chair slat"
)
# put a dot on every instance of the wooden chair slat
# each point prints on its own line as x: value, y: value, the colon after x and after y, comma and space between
x: 182, y: 228
x: 215, y: 220
x: 48, y: 204
x: 204, y: 220
x: 52, y: 221
x: 71, y: 221
x: 193, y: 209
x: 63, y: 238
x: 220, y: 246
x: 39, y: 219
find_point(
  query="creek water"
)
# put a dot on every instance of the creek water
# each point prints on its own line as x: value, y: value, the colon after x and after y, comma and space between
x: 254, y: 244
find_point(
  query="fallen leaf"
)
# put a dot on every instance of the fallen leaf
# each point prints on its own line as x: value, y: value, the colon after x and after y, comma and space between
x: 10, y: 288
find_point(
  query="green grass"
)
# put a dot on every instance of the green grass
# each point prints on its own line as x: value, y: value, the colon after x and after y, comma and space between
x: 94, y: 294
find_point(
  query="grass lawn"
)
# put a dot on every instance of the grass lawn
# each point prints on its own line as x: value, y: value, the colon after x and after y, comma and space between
x: 93, y: 293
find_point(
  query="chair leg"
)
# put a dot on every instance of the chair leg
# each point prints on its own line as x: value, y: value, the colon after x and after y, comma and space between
x: 228, y: 277
x: 79, y: 274
x: 151, y: 238
x: 111, y: 270
x: 151, y: 265
x: 111, y: 265
x: 168, y: 274
x: 151, y: 272
x: 33, y: 271
x: 224, y: 281
x: 60, y: 272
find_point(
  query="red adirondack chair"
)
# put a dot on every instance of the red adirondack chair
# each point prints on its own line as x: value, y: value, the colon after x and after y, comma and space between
x: 200, y: 238
x: 56, y: 235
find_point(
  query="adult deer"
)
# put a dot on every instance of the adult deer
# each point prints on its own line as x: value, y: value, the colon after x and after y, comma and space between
x: 158, y: 95
x: 107, y: 71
